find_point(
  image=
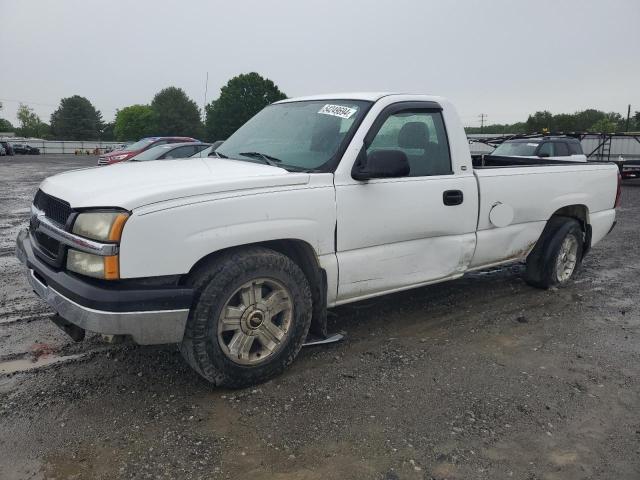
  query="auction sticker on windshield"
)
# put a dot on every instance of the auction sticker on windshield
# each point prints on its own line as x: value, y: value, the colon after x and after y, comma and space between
x: 338, y: 111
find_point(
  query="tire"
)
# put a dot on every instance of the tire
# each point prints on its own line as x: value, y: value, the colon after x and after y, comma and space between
x: 550, y: 263
x: 215, y: 346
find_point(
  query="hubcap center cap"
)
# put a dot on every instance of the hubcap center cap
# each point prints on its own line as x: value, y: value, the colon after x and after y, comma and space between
x: 255, y: 319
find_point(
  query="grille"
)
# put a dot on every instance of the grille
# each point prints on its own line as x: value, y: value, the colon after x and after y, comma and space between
x: 58, y: 211
x: 103, y: 161
x: 53, y: 208
x: 50, y: 246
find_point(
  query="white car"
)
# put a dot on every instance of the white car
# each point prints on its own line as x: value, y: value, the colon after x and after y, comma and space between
x: 316, y: 202
x: 546, y: 148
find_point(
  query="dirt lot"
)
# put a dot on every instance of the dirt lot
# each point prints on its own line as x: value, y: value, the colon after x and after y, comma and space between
x: 480, y: 378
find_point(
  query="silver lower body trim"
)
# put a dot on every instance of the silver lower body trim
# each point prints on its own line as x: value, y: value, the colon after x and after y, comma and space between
x: 146, y: 328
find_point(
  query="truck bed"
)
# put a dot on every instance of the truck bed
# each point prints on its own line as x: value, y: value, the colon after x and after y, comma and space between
x: 494, y: 161
x: 534, y: 191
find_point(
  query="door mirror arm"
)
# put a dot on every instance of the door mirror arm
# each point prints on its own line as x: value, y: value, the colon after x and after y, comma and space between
x: 359, y: 171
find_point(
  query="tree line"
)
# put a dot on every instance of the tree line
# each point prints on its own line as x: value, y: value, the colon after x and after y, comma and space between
x: 590, y: 120
x: 171, y: 112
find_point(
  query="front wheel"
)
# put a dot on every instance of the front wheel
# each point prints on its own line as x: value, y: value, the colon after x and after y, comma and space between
x: 557, y: 255
x: 250, y: 317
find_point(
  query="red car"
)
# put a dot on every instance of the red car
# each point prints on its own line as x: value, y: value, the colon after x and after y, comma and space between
x: 138, y: 147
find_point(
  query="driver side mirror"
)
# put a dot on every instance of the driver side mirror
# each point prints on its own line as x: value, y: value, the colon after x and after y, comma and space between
x: 381, y: 164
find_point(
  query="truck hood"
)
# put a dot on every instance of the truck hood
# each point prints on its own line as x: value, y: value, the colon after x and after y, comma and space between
x: 131, y: 185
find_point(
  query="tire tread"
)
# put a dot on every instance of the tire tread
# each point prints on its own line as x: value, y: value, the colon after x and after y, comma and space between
x: 540, y: 271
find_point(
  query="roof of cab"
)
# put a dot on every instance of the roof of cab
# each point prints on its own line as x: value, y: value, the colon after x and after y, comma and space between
x: 370, y: 96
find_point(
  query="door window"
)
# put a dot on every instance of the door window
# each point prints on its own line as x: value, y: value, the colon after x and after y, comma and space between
x: 180, y: 152
x: 199, y: 149
x: 546, y: 148
x: 421, y: 136
x: 561, y: 149
x: 575, y: 148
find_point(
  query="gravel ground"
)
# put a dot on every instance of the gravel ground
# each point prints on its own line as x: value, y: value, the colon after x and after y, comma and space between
x: 479, y: 378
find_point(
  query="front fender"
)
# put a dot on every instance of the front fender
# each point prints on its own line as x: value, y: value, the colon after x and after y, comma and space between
x: 169, y: 241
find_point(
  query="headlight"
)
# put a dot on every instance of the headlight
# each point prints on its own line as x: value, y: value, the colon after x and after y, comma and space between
x: 120, y: 157
x: 104, y: 227
x: 93, y: 265
x: 101, y: 226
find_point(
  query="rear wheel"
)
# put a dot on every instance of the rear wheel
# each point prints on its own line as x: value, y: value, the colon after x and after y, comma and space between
x: 250, y: 317
x: 557, y: 255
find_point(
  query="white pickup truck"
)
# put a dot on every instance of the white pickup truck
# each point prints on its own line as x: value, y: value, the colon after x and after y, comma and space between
x: 313, y: 203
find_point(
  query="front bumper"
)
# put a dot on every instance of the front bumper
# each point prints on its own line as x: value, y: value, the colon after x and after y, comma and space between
x: 150, y: 315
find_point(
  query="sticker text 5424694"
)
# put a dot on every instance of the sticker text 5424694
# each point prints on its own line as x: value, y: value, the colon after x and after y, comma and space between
x: 337, y: 111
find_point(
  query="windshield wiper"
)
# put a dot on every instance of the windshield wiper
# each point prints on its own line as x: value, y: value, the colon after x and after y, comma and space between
x: 268, y: 159
x: 276, y: 162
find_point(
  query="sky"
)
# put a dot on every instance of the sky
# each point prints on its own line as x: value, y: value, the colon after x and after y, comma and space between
x: 502, y: 58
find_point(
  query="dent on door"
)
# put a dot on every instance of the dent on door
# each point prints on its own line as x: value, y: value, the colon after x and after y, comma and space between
x: 399, y: 233
x: 390, y: 267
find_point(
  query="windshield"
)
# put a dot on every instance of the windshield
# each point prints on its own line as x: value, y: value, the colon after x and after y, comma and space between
x: 517, y: 149
x: 301, y: 135
x: 153, y: 153
x: 140, y: 144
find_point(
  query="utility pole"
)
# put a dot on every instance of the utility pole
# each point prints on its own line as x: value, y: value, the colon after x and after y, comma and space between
x: 204, y: 107
x: 482, y: 116
x: 628, y: 115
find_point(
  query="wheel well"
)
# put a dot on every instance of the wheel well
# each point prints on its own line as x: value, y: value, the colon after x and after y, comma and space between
x: 305, y: 257
x: 581, y: 214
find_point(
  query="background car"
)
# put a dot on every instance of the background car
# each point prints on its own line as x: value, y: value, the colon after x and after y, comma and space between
x: 139, y: 147
x: 170, y: 151
x: 3, y: 152
x: 24, y: 149
x: 114, y: 148
x: 7, y: 147
x: 552, y: 148
x: 209, y: 151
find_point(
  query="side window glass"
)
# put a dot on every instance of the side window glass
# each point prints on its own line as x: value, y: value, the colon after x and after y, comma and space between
x: 190, y: 151
x: 199, y: 151
x: 547, y: 148
x: 421, y: 136
x: 561, y: 149
x: 179, y: 152
x: 575, y: 148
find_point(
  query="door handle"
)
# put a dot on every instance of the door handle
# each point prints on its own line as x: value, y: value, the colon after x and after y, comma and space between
x: 452, y: 197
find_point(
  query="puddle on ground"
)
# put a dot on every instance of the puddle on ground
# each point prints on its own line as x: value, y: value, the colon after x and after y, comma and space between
x: 26, y: 364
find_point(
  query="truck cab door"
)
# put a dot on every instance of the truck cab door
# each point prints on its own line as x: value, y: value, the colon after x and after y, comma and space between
x: 395, y: 233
